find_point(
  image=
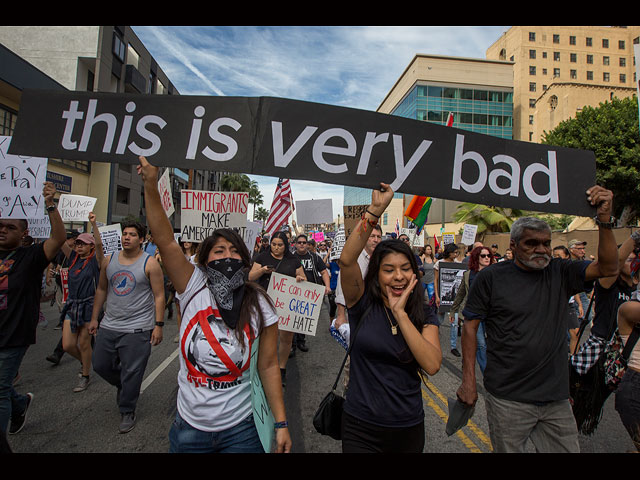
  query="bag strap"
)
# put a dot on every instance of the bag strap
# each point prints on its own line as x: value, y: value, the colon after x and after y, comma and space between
x: 353, y: 339
x: 585, y: 321
x: 631, y: 342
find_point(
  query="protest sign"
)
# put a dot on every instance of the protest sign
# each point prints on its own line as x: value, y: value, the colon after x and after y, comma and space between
x: 297, y: 303
x: 313, y: 212
x: 449, y: 279
x: 300, y: 140
x: 250, y: 235
x: 336, y: 246
x: 111, y: 237
x: 39, y: 227
x: 414, y: 240
x: 262, y: 416
x: 164, y: 188
x: 469, y: 234
x: 21, y: 183
x: 202, y: 212
x: 352, y: 215
x: 448, y: 237
x: 75, y: 208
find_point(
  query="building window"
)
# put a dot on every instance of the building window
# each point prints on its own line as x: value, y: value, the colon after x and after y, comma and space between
x: 574, y: 74
x: 573, y: 58
x: 556, y: 72
x: 122, y: 195
x: 532, y: 86
x: 532, y: 54
x: 589, y: 75
x: 532, y: 36
x: 623, y: 62
x: 605, y: 60
x: 605, y: 43
x: 589, y: 42
x: 621, y: 44
x: 385, y: 217
x: 572, y: 40
x: 532, y: 70
x: 623, y: 78
x: 7, y: 121
x: 589, y: 59
x: 605, y: 76
x: 530, y: 119
x: 556, y: 56
x: 553, y: 102
x: 556, y: 38
x: 119, y: 48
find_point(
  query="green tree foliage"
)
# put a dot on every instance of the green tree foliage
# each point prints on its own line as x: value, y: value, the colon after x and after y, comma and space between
x: 488, y: 219
x: 610, y: 130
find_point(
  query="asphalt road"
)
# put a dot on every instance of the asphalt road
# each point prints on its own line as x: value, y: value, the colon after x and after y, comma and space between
x: 61, y: 421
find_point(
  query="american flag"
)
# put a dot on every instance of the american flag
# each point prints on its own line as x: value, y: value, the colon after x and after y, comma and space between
x: 397, y: 229
x: 281, y: 207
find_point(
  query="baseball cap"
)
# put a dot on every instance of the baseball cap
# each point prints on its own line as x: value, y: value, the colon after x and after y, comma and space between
x: 86, y: 238
x: 575, y: 241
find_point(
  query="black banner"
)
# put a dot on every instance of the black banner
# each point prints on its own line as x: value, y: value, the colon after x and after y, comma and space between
x: 306, y: 141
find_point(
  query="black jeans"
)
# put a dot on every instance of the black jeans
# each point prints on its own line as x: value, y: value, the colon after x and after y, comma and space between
x: 628, y: 404
x: 363, y: 437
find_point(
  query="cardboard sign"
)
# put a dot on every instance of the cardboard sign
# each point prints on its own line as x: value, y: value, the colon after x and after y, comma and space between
x: 352, y: 215
x: 21, y: 182
x: 164, y: 188
x: 250, y: 235
x: 75, y: 208
x: 449, y: 280
x: 111, y: 237
x: 294, y: 139
x: 262, y: 416
x: 203, y: 212
x: 297, y: 303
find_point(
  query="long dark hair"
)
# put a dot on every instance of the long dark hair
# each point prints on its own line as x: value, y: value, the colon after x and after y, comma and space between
x: 282, y: 236
x: 252, y: 291
x: 415, y: 302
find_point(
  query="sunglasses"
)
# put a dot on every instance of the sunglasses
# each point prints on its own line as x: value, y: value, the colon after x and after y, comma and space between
x: 302, y: 242
x: 81, y: 243
x: 484, y: 255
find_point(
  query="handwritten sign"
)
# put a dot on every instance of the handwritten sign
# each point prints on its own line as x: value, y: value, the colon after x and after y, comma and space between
x: 262, y: 416
x: 164, y: 187
x: 39, y: 227
x: 250, y: 235
x: 203, y: 212
x: 469, y: 234
x: 297, y: 303
x: 111, y: 237
x: 75, y: 208
x: 21, y: 182
x: 352, y: 215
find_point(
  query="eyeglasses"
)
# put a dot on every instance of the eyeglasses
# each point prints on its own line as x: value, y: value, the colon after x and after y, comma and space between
x: 484, y: 255
x: 80, y: 244
x: 302, y: 242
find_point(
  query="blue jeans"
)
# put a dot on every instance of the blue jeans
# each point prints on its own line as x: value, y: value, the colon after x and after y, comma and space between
x: 243, y: 438
x: 10, y: 401
x: 481, y: 350
x: 453, y: 338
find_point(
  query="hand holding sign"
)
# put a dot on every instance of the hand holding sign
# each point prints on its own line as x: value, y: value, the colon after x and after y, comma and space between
x: 297, y: 303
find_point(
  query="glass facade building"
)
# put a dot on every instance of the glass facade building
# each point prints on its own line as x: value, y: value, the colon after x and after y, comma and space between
x: 476, y: 109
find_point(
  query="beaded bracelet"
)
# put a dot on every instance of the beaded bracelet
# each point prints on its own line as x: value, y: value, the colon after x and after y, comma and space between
x: 284, y: 424
x: 366, y: 221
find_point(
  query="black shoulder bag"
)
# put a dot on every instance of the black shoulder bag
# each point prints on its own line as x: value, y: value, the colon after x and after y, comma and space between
x: 328, y: 418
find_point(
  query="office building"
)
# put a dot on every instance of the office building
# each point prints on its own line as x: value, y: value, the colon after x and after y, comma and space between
x: 558, y: 70
x: 100, y: 59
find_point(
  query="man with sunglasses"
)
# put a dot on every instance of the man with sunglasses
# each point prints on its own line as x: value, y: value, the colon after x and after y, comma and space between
x: 524, y: 305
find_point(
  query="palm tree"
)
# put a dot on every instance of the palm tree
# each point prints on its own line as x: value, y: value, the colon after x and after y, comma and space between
x: 235, y: 182
x: 255, y: 196
x: 262, y: 214
x: 488, y: 219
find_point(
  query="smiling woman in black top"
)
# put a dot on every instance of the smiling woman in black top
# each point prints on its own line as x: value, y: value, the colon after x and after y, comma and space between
x: 383, y: 410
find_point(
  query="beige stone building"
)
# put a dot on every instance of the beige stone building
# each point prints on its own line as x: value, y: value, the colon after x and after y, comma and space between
x: 557, y: 70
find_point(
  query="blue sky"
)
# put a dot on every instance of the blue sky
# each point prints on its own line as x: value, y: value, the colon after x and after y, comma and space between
x: 350, y: 66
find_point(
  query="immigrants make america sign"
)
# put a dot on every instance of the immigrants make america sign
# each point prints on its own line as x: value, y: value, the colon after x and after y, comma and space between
x: 307, y: 141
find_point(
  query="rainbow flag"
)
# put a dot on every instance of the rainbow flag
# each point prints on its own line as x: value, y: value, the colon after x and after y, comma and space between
x: 418, y: 210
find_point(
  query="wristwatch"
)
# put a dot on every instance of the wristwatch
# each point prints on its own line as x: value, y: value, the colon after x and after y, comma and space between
x: 159, y: 324
x: 608, y: 225
x: 51, y: 208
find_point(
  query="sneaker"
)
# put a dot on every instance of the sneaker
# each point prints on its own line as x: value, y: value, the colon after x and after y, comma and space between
x: 53, y: 358
x: 18, y: 422
x: 127, y: 422
x: 83, y: 383
x: 455, y: 352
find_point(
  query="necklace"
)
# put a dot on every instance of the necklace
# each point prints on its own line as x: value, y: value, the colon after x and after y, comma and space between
x: 394, y: 328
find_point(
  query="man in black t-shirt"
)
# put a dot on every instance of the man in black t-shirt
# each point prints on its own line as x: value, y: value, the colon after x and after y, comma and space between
x: 524, y: 305
x: 21, y: 271
x: 316, y: 272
